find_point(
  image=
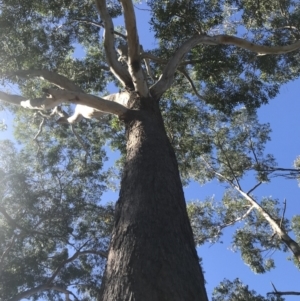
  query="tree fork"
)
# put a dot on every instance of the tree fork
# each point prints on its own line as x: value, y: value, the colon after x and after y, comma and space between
x: 152, y: 255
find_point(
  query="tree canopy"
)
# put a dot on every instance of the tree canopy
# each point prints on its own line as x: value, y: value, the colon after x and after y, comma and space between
x: 213, y: 64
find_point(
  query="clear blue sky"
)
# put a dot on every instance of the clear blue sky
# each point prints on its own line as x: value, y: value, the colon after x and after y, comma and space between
x: 219, y: 261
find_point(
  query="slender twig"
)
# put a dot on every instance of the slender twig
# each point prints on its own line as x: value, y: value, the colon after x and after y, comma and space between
x: 252, y: 189
x: 11, y: 244
x: 81, y: 142
x: 35, y: 139
x: 278, y: 293
x: 40, y: 129
x: 101, y: 25
x: 72, y: 258
x: 283, y: 213
x: 185, y: 73
x: 221, y: 227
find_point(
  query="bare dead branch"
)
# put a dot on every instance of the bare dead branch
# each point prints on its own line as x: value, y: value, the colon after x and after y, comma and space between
x: 278, y: 293
x: 288, y: 293
x: 254, y: 187
x: 116, y: 67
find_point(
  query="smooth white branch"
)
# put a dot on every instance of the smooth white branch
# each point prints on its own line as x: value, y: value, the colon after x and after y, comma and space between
x: 42, y: 103
x: 134, y: 59
x: 167, y: 77
x: 88, y: 106
x: 87, y: 103
x: 116, y: 67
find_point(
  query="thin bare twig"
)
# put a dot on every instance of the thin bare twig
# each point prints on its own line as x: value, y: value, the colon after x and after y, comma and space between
x: 101, y: 25
x: 278, y: 293
x: 185, y: 73
x: 283, y: 213
x: 81, y: 142
x: 252, y: 189
x: 11, y: 244
x: 35, y: 139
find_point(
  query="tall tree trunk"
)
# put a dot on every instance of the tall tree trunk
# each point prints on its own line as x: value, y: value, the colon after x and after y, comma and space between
x: 152, y: 255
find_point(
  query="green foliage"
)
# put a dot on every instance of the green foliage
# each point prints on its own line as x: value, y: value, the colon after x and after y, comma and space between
x: 252, y: 235
x: 226, y: 75
x: 237, y: 291
x: 48, y: 213
x: 51, y: 188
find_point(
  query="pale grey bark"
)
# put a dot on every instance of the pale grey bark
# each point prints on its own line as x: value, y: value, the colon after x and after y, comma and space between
x: 88, y: 106
x: 134, y: 60
x: 166, y: 79
x: 278, y: 230
x: 116, y: 67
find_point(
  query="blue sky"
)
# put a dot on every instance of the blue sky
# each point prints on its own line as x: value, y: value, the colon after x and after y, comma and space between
x: 219, y: 261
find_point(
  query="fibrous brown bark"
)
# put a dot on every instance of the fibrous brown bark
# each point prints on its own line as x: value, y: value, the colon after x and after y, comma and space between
x: 152, y: 255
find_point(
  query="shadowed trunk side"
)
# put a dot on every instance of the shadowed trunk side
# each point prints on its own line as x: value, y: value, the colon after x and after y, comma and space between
x: 152, y: 255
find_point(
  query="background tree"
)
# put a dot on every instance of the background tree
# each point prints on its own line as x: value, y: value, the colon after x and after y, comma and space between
x: 165, y: 100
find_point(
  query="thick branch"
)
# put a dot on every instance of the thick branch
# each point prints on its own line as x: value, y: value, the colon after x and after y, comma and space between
x: 290, y: 293
x: 260, y: 49
x: 88, y: 100
x: 44, y: 103
x: 134, y: 60
x: 89, y: 106
x: 278, y: 293
x: 53, y: 77
x: 115, y: 66
x: 282, y: 234
x: 167, y: 78
x: 289, y: 242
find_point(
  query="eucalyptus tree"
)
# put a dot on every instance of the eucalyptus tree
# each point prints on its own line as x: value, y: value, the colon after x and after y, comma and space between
x: 219, y: 54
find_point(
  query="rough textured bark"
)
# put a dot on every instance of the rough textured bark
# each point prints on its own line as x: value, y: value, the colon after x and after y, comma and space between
x: 152, y: 254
